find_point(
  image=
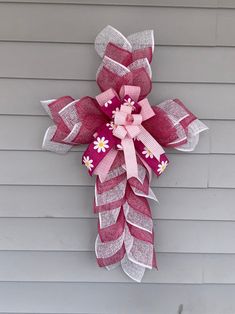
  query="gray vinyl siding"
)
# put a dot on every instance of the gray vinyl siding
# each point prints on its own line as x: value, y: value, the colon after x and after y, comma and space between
x: 47, y: 227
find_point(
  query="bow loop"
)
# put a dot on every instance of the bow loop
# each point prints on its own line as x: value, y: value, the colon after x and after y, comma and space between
x: 120, y: 132
x: 137, y: 119
x: 120, y: 118
x: 126, y: 109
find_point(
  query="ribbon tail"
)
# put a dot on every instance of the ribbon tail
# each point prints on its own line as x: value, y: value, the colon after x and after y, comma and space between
x: 130, y: 158
x: 146, y: 138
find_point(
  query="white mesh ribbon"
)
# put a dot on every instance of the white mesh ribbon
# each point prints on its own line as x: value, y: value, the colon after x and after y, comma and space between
x: 174, y: 112
x: 138, y: 254
x: 112, y: 66
x: 138, y: 257
x: 141, y: 63
x: 108, y: 249
x: 133, y: 42
x: 49, y: 145
x: 122, y: 55
x: 110, y: 34
x: 109, y: 217
x: 133, y: 270
x: 113, y: 195
x: 137, y: 219
x: 69, y: 116
x: 45, y: 104
x: 142, y: 40
x: 194, y: 129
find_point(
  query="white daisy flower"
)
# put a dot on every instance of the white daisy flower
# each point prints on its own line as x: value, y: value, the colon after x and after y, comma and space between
x: 114, y: 112
x: 119, y: 147
x: 107, y: 103
x: 130, y: 103
x: 88, y: 162
x: 101, y: 144
x: 147, y: 153
x: 111, y: 125
x: 162, y: 166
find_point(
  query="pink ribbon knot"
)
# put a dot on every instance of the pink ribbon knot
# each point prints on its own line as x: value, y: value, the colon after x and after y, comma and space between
x: 127, y: 124
x: 126, y: 129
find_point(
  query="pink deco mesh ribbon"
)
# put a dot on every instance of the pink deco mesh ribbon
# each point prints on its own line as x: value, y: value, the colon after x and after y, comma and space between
x: 125, y: 136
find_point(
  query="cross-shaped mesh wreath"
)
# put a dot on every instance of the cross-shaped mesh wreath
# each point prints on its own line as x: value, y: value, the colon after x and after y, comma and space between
x: 125, y: 137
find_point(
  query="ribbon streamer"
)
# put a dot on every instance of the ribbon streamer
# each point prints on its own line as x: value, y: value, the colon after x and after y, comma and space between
x: 125, y: 137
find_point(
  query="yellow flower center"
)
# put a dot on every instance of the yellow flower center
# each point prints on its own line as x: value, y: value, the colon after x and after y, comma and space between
x: 101, y: 144
x: 87, y: 163
x: 163, y: 167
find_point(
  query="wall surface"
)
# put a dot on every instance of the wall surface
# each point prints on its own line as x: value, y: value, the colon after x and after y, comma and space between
x: 47, y: 228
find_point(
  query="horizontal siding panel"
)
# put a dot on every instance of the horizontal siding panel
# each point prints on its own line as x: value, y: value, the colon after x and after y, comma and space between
x: 82, y: 267
x: 134, y: 298
x: 71, y: 61
x: 222, y: 136
x: 65, y: 23
x: 207, y: 101
x: 167, y: 3
x: 45, y: 168
x: 32, y: 130
x: 69, y: 202
x: 176, y: 236
x: 58, y: 201
x: 153, y: 3
x: 226, y: 21
x: 226, y: 4
x: 222, y: 171
x: 219, y: 268
x: 28, y: 93
x: 101, y: 297
x: 48, y: 234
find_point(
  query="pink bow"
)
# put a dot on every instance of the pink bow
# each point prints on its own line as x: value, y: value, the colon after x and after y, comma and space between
x: 125, y: 130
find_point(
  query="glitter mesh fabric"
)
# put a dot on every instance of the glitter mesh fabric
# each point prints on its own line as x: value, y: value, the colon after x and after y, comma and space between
x: 125, y: 234
x: 75, y: 122
x: 114, y: 75
x: 113, y: 44
x: 175, y: 126
x: 125, y: 225
x: 125, y: 61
